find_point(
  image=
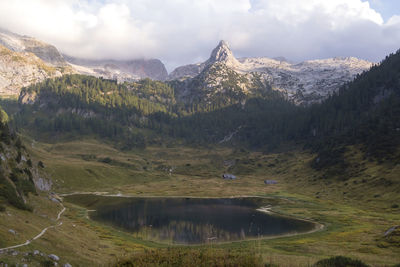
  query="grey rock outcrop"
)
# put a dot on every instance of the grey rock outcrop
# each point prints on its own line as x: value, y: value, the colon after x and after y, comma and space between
x: 43, y: 184
x: 220, y: 54
x: 12, y: 231
x: 54, y: 257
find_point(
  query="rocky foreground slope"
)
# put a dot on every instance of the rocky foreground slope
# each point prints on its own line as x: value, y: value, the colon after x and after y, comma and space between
x: 305, y: 82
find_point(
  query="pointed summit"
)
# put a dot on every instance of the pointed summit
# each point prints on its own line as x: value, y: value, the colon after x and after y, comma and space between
x: 222, y: 53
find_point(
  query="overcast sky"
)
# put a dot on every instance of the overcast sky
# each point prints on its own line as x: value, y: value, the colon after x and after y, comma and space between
x: 185, y: 31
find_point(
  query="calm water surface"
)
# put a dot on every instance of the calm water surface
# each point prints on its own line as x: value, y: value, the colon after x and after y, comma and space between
x: 190, y: 220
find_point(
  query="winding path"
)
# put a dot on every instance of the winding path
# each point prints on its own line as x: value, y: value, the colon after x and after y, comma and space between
x: 40, y: 234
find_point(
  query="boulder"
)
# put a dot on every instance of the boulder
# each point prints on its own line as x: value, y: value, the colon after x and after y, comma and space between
x: 228, y: 176
x: 389, y: 231
x: 54, y: 257
x: 12, y: 231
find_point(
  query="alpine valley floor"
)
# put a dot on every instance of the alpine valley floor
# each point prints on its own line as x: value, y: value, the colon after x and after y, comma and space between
x: 356, y: 211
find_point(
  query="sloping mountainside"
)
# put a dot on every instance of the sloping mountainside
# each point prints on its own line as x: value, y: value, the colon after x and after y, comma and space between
x: 120, y: 70
x: 19, y: 69
x: 219, y: 86
x: 18, y: 43
x: 19, y: 176
x: 83, y: 105
x: 304, y: 83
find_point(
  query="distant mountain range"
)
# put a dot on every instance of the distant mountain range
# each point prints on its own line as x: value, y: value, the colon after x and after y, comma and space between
x: 120, y: 70
x: 25, y: 60
x: 304, y: 82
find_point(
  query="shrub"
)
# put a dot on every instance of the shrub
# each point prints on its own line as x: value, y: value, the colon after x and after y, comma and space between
x: 7, y: 191
x: 26, y: 186
x: 340, y: 261
x: 18, y: 158
x: 192, y: 257
x: 18, y: 143
x: 40, y: 164
x: 106, y: 160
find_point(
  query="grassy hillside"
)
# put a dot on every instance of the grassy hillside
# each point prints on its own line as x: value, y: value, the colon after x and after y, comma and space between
x: 351, y: 210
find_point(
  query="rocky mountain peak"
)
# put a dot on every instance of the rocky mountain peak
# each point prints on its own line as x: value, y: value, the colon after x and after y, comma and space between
x: 222, y: 53
x: 305, y: 82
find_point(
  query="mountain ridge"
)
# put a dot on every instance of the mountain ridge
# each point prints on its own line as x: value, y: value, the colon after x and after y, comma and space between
x: 22, y: 43
x: 304, y: 83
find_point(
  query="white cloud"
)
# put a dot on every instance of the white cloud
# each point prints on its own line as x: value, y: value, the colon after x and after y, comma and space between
x: 183, y: 31
x: 394, y: 20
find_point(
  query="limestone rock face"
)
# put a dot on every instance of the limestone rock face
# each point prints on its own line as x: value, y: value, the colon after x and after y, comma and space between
x: 222, y: 53
x: 20, y: 69
x: 304, y: 83
x: 308, y: 81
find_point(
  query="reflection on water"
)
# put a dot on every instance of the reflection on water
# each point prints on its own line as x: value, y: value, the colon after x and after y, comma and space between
x: 194, y: 221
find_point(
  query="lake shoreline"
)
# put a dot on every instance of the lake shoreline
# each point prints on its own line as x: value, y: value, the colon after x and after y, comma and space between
x: 263, y: 209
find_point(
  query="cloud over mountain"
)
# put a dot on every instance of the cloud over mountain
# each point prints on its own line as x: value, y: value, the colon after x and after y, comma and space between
x: 179, y: 32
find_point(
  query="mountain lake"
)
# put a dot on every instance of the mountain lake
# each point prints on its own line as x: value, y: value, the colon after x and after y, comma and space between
x: 191, y: 220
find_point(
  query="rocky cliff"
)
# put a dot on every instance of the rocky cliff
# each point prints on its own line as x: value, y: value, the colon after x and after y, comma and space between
x: 20, y: 69
x: 305, y: 82
x: 19, y: 174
